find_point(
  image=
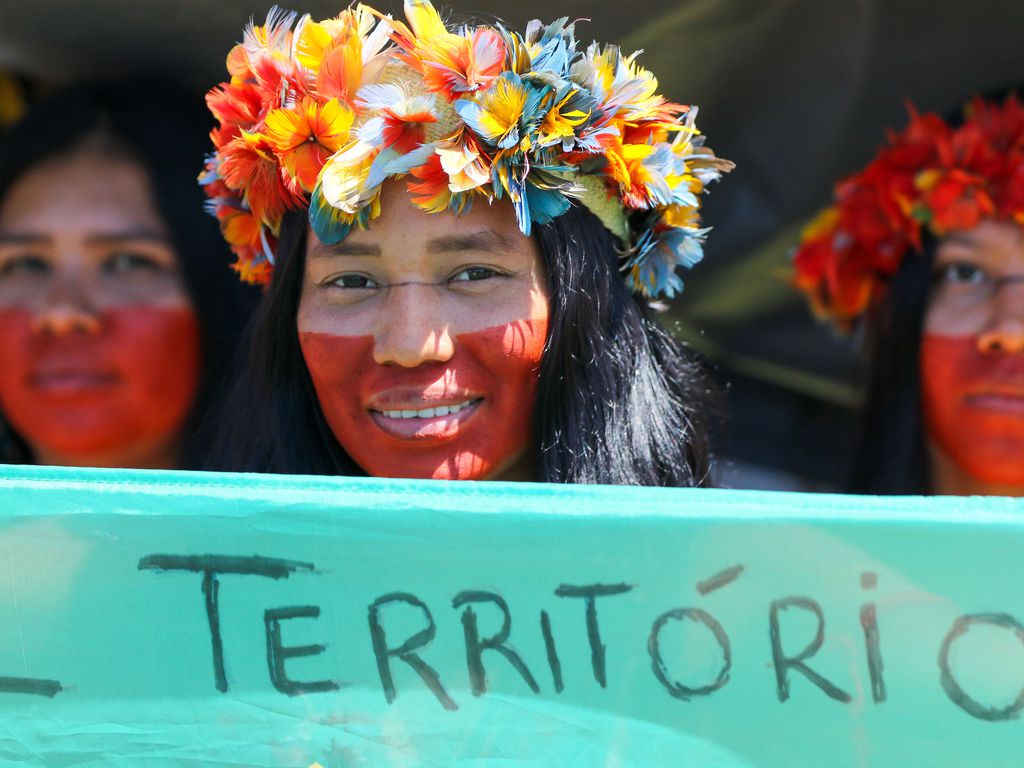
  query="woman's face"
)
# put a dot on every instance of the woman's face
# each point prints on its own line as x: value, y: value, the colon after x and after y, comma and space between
x: 423, y: 337
x: 98, y: 338
x: 972, y: 354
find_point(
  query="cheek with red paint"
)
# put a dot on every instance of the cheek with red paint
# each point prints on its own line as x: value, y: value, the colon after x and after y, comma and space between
x: 483, y: 400
x: 80, y: 395
x: 973, y: 406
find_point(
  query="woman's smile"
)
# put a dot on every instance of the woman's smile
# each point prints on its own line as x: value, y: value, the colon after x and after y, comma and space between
x: 1008, y: 403
x: 435, y: 424
x: 63, y: 380
x: 430, y: 412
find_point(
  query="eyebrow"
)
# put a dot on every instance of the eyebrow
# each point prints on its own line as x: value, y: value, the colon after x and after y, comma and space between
x: 134, y: 236
x: 959, y: 238
x: 149, y: 235
x: 344, y: 248
x: 482, y: 240
x: 7, y: 238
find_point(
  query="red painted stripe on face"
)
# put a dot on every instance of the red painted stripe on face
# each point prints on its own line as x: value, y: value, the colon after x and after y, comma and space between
x: 973, y: 406
x: 489, y: 385
x: 81, y: 395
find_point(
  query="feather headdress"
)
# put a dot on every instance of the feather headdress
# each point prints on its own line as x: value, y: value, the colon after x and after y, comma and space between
x: 318, y: 115
x: 930, y: 177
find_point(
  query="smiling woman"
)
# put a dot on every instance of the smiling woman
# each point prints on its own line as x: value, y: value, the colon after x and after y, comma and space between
x: 109, y: 338
x: 461, y: 232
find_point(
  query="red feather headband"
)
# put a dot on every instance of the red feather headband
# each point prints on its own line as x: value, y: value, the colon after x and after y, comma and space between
x: 930, y: 177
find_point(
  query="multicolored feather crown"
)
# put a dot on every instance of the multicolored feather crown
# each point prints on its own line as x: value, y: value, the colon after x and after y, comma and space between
x: 319, y: 115
x: 930, y: 178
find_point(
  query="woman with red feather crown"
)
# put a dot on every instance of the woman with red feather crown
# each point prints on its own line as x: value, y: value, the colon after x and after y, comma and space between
x: 926, y: 247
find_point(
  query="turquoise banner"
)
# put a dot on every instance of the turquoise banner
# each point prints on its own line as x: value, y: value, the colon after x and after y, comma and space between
x: 175, y: 619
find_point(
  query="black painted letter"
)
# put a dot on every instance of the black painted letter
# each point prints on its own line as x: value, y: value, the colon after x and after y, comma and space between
x: 277, y: 653
x: 784, y: 663
x: 475, y: 646
x: 30, y: 685
x: 674, y: 687
x: 590, y: 593
x: 952, y: 687
x: 549, y: 645
x: 405, y: 650
x: 211, y: 566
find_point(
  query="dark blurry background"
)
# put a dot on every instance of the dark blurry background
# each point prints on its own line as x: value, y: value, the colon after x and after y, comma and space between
x: 797, y: 92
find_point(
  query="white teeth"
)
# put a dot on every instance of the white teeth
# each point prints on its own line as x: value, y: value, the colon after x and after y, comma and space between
x: 429, y: 413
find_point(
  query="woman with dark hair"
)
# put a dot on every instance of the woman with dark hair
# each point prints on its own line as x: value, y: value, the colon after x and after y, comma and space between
x: 486, y: 316
x: 119, y: 313
x: 927, y: 246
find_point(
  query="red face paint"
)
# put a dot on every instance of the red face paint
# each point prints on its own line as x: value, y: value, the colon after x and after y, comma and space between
x: 83, y: 395
x: 492, y: 375
x: 973, y: 406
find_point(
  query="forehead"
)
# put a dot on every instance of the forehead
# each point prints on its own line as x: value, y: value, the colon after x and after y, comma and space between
x: 85, y: 192
x: 404, y: 228
x: 997, y: 240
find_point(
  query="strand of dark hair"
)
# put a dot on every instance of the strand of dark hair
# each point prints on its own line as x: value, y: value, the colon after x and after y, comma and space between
x: 272, y: 421
x: 891, y: 457
x: 619, y: 399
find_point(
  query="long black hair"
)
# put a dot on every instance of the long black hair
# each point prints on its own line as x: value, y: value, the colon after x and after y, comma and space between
x: 892, y: 458
x: 163, y: 130
x: 619, y: 400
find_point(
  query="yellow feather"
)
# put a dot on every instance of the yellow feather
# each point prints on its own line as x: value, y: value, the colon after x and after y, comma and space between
x: 424, y: 19
x: 313, y: 40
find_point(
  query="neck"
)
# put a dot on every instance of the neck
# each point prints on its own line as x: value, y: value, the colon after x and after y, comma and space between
x: 522, y: 470
x: 949, y: 479
x: 133, y: 457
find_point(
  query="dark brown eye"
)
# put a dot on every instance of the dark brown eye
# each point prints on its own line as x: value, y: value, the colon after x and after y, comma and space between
x: 472, y: 274
x: 24, y: 264
x: 962, y: 273
x: 124, y: 262
x: 353, y: 280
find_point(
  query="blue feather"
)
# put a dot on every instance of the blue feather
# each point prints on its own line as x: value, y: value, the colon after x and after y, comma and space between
x: 330, y: 225
x: 545, y: 204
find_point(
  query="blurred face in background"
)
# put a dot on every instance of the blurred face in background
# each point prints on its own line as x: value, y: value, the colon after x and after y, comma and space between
x: 972, y: 362
x: 423, y: 336
x: 99, y: 341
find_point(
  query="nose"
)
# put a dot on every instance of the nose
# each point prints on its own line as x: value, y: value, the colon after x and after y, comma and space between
x: 416, y: 330
x: 66, y: 310
x: 1005, y: 334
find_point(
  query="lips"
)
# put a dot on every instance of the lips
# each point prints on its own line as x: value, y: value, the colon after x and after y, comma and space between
x: 437, y: 423
x: 429, y: 412
x: 72, y: 381
x: 1011, y: 404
